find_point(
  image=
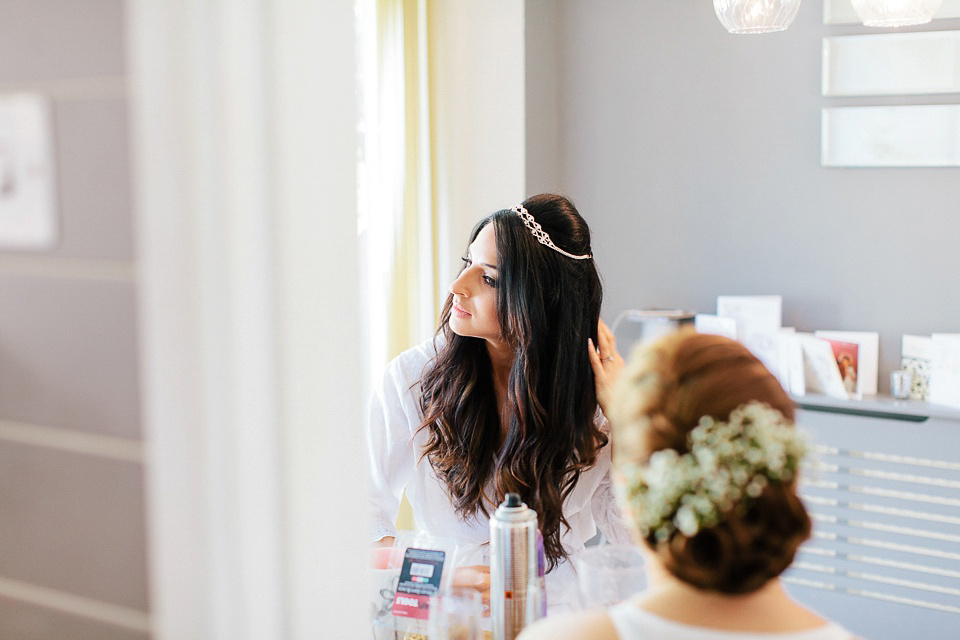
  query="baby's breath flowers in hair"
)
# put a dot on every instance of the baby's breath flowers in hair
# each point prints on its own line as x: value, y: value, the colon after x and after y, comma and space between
x: 728, y: 464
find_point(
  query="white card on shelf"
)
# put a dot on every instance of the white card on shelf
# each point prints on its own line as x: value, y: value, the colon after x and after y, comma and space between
x: 758, y: 324
x: 868, y: 356
x: 920, y: 347
x: 792, y: 372
x: 717, y: 325
x: 821, y: 372
x: 945, y: 370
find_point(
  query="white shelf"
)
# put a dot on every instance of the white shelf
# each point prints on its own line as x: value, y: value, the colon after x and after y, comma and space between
x: 878, y: 406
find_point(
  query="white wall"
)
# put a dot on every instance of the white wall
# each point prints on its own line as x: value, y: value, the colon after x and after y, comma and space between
x: 695, y: 156
x: 479, y: 103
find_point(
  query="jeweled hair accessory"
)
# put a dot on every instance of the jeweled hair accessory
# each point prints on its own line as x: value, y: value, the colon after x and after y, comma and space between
x: 542, y: 236
x: 729, y: 463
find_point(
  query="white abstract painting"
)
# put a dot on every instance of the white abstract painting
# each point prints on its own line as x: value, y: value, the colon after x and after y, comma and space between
x: 28, y: 217
x: 901, y: 136
x: 892, y: 64
x: 842, y: 12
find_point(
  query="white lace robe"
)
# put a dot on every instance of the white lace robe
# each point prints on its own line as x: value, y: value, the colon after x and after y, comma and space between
x: 394, y: 449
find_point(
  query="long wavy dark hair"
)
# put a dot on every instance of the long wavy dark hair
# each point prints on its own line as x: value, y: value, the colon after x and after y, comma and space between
x: 548, y: 306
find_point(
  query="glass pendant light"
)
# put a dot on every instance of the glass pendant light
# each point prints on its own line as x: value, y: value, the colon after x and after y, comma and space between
x: 756, y: 16
x: 895, y: 13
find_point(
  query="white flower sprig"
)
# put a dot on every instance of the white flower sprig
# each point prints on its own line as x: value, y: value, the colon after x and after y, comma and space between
x: 728, y: 463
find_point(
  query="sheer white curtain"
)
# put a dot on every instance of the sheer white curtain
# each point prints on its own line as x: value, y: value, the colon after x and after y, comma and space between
x: 398, y: 222
x: 244, y: 142
x: 443, y: 131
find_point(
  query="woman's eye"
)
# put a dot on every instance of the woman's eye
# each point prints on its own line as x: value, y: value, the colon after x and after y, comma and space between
x: 487, y: 280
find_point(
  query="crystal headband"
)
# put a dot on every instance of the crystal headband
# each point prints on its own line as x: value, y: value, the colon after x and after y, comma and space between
x: 542, y: 236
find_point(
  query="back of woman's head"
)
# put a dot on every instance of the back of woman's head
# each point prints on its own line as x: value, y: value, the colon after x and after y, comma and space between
x: 665, y: 392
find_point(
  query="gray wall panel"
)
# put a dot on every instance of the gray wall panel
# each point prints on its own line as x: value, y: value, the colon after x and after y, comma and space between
x: 73, y: 523
x: 47, y: 39
x: 93, y: 176
x: 24, y: 621
x: 68, y: 354
x: 72, y: 533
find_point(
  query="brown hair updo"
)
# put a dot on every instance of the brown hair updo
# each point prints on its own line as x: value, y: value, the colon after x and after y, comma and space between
x: 666, y: 388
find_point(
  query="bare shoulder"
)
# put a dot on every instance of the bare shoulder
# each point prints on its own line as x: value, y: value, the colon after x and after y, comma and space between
x: 595, y: 625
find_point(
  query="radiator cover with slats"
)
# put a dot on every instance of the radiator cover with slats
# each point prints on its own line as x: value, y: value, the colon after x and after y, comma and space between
x: 884, y: 495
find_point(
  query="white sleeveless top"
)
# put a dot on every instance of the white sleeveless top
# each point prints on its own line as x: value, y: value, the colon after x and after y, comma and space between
x: 633, y: 623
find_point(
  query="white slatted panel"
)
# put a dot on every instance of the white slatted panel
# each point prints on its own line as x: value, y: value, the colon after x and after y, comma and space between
x: 884, y: 494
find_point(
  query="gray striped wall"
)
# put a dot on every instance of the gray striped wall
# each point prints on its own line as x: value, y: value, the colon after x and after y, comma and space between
x: 72, y: 526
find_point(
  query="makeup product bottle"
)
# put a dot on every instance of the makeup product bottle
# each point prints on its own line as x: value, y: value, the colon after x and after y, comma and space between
x: 517, y: 596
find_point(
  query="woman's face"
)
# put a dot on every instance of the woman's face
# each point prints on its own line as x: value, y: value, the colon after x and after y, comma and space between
x: 474, y: 312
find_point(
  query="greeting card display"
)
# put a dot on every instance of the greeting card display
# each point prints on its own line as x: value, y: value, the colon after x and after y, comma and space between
x: 846, y: 355
x: 915, y: 356
x: 758, y: 322
x: 945, y: 370
x: 820, y: 365
x: 716, y: 325
x: 868, y: 357
x: 791, y: 371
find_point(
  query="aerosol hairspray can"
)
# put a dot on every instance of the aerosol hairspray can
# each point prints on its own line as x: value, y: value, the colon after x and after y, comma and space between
x: 516, y: 577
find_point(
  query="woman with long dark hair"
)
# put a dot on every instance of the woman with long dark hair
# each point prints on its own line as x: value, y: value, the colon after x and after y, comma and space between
x: 505, y: 398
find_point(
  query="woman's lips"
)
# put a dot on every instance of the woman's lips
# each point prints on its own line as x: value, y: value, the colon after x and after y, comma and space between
x: 459, y: 312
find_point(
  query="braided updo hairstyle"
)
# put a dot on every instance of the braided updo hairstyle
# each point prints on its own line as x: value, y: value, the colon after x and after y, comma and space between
x: 665, y: 389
